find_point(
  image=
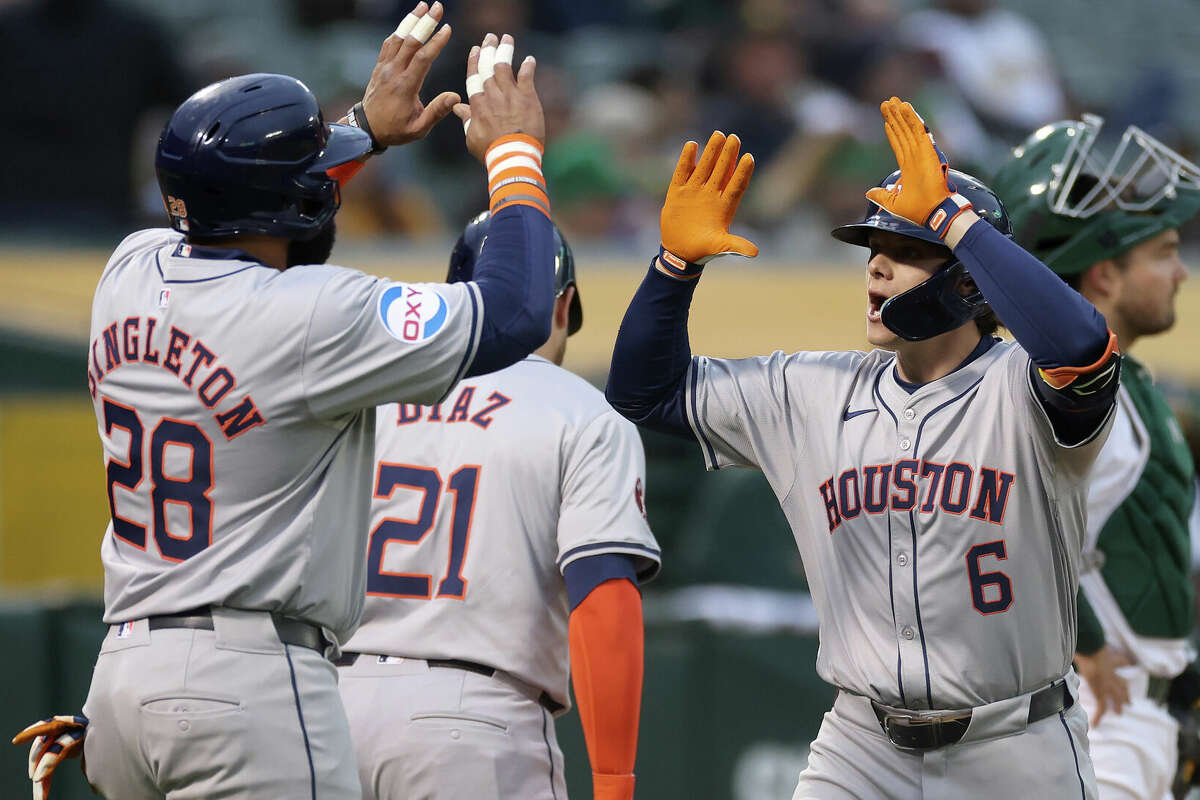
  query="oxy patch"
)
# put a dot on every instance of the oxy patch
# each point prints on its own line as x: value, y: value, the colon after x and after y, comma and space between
x: 411, y: 314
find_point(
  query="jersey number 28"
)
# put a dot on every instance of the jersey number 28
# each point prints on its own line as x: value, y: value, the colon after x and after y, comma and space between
x: 191, y: 492
x: 463, y: 484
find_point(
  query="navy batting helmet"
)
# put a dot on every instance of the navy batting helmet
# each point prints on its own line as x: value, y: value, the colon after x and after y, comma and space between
x: 938, y: 304
x: 249, y: 155
x: 470, y: 245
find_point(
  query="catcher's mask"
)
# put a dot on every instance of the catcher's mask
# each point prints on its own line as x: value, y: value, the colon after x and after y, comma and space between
x: 1076, y: 199
x: 250, y: 155
x: 470, y: 245
x: 948, y: 298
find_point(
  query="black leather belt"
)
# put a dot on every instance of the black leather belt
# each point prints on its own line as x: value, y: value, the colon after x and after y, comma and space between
x: 291, y: 631
x: 544, y: 699
x: 912, y: 732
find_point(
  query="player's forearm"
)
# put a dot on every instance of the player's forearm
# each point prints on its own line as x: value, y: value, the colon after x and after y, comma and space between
x: 515, y: 276
x: 1050, y: 320
x: 606, y: 641
x: 651, y: 355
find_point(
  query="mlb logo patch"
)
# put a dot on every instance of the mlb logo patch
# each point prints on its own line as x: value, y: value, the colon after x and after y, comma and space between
x: 124, y: 630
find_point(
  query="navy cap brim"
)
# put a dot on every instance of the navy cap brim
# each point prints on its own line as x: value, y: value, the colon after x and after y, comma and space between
x: 345, y: 143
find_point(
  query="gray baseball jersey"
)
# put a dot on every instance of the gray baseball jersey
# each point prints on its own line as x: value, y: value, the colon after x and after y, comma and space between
x: 940, y: 530
x: 236, y: 410
x: 481, y: 502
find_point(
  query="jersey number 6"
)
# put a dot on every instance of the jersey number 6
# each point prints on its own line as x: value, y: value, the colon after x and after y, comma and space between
x: 463, y: 483
x: 1002, y: 596
x: 191, y: 492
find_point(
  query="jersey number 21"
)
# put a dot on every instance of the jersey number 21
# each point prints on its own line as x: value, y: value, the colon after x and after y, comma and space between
x: 463, y: 484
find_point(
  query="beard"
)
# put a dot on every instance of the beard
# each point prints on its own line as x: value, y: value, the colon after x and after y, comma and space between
x: 315, y: 250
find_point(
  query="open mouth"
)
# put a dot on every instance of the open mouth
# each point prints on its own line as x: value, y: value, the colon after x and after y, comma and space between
x: 875, y: 302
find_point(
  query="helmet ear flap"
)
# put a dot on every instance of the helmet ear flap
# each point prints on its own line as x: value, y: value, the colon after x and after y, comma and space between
x: 934, y: 306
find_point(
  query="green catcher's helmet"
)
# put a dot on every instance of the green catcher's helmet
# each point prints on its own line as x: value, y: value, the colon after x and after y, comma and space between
x: 1072, y: 206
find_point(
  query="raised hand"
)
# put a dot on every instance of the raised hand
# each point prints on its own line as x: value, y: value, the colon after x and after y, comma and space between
x: 924, y: 194
x: 702, y: 200
x: 392, y: 102
x: 499, y: 103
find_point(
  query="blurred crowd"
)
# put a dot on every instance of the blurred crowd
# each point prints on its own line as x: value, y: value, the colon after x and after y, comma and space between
x: 623, y: 82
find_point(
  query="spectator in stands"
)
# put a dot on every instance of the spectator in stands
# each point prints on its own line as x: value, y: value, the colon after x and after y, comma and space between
x: 79, y: 75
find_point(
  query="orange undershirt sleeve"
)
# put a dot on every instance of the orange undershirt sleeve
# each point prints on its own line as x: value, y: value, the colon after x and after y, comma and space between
x: 606, y: 639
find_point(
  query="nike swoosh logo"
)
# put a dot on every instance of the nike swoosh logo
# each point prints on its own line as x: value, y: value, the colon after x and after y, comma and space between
x: 849, y: 415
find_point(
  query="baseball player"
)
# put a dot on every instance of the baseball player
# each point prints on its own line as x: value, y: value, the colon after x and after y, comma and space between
x: 235, y: 379
x: 505, y: 521
x: 935, y: 486
x: 1108, y: 224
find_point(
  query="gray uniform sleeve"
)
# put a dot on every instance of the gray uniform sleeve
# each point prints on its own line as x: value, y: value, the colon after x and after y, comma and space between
x: 372, y: 341
x: 733, y: 403
x: 742, y: 409
x: 603, y: 506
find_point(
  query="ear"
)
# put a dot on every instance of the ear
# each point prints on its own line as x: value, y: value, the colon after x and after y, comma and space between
x: 1102, y: 280
x: 562, y: 307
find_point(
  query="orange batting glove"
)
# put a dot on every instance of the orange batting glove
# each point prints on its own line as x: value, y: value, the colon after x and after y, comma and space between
x: 924, y: 194
x: 54, y: 739
x: 701, y: 202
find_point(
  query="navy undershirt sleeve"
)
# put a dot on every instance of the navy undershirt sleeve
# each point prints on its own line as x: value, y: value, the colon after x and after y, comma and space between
x: 1055, y: 324
x: 646, y: 381
x: 515, y: 274
x: 585, y: 574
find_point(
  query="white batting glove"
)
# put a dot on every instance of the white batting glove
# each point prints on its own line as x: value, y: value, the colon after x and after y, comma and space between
x: 53, y: 740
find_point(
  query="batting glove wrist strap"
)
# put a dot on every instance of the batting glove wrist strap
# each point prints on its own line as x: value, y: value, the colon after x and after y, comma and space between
x: 514, y: 165
x: 357, y: 117
x: 946, y: 212
x: 675, y: 267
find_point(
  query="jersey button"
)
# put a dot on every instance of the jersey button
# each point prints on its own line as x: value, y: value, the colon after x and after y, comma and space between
x: 909, y: 413
x: 902, y: 559
x: 905, y: 444
x: 908, y: 632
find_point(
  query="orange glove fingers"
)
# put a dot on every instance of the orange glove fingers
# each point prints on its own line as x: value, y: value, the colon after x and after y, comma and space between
x: 739, y: 182
x: 708, y: 158
x: 687, y: 163
x: 726, y: 162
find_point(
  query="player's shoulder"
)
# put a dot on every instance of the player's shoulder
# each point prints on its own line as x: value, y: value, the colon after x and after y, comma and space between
x: 555, y: 384
x: 338, y: 285
x: 140, y: 247
x: 1008, y: 354
x: 556, y: 392
x: 806, y: 361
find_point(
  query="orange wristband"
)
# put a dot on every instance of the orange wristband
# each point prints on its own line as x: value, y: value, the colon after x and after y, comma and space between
x: 514, y: 165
